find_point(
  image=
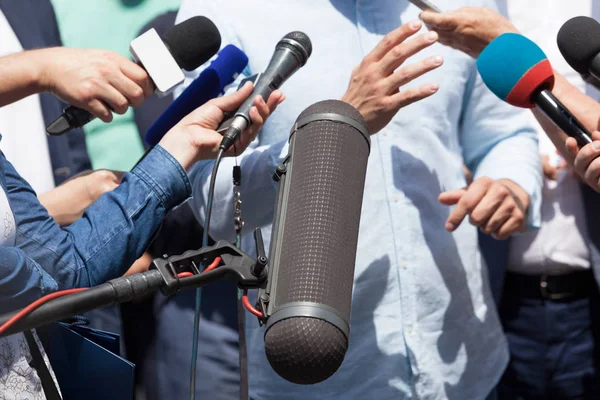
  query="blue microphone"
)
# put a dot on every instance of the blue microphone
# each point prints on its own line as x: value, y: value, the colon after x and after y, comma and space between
x: 230, y: 62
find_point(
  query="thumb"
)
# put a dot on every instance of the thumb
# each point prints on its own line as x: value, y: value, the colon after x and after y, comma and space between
x: 451, y: 197
x: 438, y: 21
x: 233, y: 101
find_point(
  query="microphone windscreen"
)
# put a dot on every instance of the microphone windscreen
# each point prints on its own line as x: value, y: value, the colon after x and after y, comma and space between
x: 514, y: 68
x: 193, y: 42
x: 315, y: 244
x: 222, y: 71
x: 579, y: 42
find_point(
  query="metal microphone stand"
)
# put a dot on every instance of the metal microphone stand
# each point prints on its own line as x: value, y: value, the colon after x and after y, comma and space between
x: 236, y: 265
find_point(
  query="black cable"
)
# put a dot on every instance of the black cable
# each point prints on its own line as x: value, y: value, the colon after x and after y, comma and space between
x: 211, y: 193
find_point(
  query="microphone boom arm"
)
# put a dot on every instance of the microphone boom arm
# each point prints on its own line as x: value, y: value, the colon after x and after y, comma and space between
x: 237, y: 265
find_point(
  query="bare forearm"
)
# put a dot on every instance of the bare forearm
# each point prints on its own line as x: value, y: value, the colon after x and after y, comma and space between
x: 64, y: 205
x: 21, y: 75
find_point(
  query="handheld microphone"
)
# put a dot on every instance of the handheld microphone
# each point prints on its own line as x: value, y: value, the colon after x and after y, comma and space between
x: 313, y: 247
x: 291, y: 53
x: 230, y: 62
x: 579, y: 42
x: 517, y: 71
x: 187, y: 45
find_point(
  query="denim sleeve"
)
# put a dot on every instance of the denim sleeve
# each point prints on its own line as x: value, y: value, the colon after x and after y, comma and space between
x: 22, y: 280
x: 112, y: 233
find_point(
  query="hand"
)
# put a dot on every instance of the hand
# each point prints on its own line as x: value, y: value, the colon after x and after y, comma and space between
x: 67, y: 202
x: 194, y: 137
x: 551, y: 171
x: 498, y: 208
x: 98, y: 81
x: 375, y: 85
x: 468, y: 29
x: 587, y: 161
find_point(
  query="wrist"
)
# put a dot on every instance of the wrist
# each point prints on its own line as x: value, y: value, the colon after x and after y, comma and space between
x: 41, y: 74
x: 518, y: 193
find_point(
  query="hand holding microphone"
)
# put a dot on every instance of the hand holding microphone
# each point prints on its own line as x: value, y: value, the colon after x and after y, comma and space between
x: 195, y: 138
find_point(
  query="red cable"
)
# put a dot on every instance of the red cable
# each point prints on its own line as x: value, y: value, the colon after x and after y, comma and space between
x: 35, y: 305
x: 214, y: 265
x: 184, y: 275
x: 249, y: 306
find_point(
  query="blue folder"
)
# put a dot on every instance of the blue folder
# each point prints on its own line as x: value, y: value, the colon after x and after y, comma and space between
x: 87, y: 363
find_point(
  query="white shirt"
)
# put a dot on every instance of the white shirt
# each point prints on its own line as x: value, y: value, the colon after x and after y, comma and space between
x: 560, y: 246
x: 22, y: 127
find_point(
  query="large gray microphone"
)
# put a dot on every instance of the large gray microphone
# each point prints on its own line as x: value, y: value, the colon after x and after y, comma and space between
x: 313, y: 245
x: 291, y: 53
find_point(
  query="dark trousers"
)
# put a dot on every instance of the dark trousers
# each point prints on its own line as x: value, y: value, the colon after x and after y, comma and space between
x: 554, y: 348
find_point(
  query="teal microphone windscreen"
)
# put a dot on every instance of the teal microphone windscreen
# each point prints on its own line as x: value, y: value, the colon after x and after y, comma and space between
x: 514, y: 68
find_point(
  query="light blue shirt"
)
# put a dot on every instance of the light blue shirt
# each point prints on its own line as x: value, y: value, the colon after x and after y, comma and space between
x: 423, y: 321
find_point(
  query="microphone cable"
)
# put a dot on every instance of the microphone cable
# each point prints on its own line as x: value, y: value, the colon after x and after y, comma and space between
x: 195, y: 336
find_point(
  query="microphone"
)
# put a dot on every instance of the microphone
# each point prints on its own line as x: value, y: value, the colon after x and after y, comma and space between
x: 291, y: 53
x: 579, y: 42
x: 313, y: 247
x: 517, y: 71
x: 187, y: 45
x: 230, y: 62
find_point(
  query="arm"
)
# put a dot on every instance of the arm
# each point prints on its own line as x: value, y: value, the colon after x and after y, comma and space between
x: 500, y: 147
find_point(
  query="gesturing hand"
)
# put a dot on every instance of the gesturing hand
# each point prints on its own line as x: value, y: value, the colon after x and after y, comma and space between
x: 376, y: 84
x: 498, y: 208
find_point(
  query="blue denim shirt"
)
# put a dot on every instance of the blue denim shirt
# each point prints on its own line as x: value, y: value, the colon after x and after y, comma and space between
x: 423, y: 322
x: 100, y: 246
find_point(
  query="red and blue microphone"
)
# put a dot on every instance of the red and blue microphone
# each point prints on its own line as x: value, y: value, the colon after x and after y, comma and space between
x: 517, y: 71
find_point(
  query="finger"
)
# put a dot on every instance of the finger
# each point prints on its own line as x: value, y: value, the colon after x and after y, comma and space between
x: 100, y: 110
x: 571, y: 146
x: 114, y: 99
x: 592, y: 174
x: 275, y: 99
x: 412, y: 71
x: 233, y: 101
x: 510, y: 227
x: 412, y: 95
x: 393, y: 39
x: 550, y: 171
x: 441, y: 21
x: 400, y: 53
x: 139, y: 76
x: 128, y: 88
x: 451, y: 197
x: 466, y: 204
x: 586, y: 155
x: 485, y: 209
x: 502, y: 214
x: 259, y: 112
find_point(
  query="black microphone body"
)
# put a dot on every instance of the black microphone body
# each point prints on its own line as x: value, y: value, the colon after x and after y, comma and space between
x: 314, y: 240
x: 291, y: 53
x: 561, y: 116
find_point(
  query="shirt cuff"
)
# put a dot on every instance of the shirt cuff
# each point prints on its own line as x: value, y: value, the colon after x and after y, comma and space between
x: 165, y: 177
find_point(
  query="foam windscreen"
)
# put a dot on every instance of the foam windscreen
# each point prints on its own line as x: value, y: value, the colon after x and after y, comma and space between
x: 514, y: 68
x: 313, y: 247
x: 193, y: 42
x: 579, y: 42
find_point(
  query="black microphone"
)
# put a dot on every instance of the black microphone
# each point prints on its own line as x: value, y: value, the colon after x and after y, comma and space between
x: 579, y: 42
x: 291, y: 53
x: 189, y: 45
x: 313, y: 246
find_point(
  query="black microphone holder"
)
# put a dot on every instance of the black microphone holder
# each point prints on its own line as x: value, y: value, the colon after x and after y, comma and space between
x: 236, y: 265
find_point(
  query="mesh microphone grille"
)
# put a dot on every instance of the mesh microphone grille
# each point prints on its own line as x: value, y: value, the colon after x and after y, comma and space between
x: 305, y: 350
x: 321, y: 228
x: 318, y: 243
x: 302, y: 39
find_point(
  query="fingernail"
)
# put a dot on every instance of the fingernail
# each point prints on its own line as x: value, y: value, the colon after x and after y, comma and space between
x: 596, y: 146
x: 415, y: 24
x: 450, y: 226
x: 437, y: 60
x: 431, y: 36
x: 434, y: 87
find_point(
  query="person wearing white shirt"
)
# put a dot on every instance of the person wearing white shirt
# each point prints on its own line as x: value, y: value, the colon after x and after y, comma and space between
x: 550, y: 299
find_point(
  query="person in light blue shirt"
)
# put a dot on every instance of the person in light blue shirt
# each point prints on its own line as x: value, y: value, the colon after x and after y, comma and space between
x: 423, y: 322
